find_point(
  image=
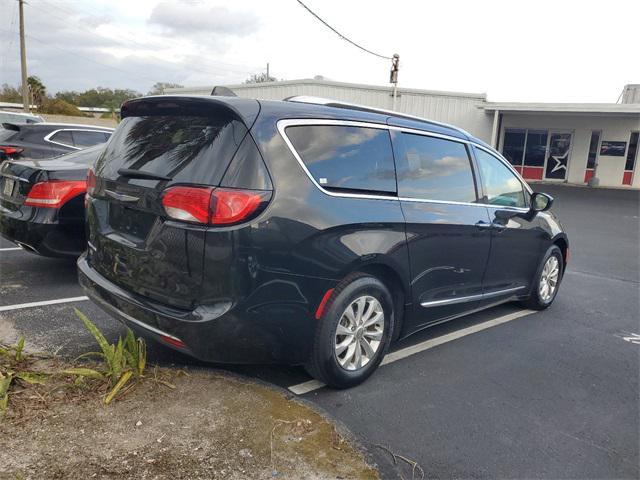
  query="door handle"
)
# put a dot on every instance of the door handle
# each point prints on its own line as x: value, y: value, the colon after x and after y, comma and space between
x: 482, y: 225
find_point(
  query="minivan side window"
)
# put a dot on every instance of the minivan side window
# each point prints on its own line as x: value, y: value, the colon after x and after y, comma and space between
x: 341, y: 157
x: 432, y: 168
x: 501, y: 185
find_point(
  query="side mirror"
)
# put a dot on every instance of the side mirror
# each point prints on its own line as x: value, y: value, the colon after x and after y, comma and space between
x: 541, y: 202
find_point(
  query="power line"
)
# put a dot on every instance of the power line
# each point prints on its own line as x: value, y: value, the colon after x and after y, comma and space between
x: 341, y: 35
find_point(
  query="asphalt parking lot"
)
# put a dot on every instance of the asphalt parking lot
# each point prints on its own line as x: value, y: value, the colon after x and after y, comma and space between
x: 504, y: 393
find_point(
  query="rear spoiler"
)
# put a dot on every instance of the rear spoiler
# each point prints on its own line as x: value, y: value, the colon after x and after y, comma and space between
x: 11, y: 126
x: 220, y: 91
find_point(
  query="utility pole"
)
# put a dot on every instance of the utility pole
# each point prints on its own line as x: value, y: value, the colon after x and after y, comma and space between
x: 267, y: 71
x: 23, y: 60
x: 395, y: 66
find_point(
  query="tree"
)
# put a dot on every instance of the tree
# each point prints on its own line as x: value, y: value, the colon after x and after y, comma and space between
x: 160, y: 87
x: 10, y: 94
x: 260, y: 78
x: 98, y: 97
x: 37, y: 90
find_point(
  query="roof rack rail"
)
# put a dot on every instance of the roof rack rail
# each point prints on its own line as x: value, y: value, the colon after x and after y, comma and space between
x: 363, y: 108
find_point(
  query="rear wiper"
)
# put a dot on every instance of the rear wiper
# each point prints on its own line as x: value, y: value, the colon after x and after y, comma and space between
x: 131, y: 173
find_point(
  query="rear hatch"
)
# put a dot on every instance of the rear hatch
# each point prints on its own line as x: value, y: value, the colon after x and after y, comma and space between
x: 162, y: 142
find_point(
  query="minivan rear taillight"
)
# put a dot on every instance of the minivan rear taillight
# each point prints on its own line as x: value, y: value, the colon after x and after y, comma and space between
x: 55, y: 193
x: 213, y: 206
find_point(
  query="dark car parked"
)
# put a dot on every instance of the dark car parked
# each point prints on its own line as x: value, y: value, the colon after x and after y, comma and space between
x: 249, y: 231
x: 42, y: 202
x: 46, y: 140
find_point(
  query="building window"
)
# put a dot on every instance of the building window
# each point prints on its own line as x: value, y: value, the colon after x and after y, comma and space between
x: 593, y: 150
x: 592, y: 157
x: 526, y: 150
x: 536, y: 150
x: 513, y: 148
x: 632, y: 154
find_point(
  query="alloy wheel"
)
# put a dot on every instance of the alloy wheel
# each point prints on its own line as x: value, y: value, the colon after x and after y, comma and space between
x: 359, y: 333
x: 549, y: 279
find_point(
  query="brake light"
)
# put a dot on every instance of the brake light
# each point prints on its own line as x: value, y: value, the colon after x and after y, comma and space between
x: 11, y: 150
x: 232, y: 206
x: 91, y: 182
x: 212, y: 206
x: 55, y: 193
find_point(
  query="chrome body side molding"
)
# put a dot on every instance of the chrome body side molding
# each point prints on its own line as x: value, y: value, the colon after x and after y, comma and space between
x: 472, y: 298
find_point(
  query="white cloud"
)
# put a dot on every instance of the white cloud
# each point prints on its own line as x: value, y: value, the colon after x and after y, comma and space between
x: 550, y: 51
x: 189, y: 19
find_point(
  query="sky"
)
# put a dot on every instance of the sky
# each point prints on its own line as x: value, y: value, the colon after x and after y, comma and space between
x: 536, y: 50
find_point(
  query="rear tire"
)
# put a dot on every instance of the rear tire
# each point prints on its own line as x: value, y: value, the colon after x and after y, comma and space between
x: 354, y: 332
x: 547, y: 280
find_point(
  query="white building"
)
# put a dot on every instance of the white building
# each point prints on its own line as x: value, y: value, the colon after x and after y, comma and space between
x: 555, y: 142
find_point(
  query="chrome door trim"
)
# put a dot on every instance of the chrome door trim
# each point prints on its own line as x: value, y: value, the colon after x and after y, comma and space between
x: 471, y: 298
x: 47, y: 138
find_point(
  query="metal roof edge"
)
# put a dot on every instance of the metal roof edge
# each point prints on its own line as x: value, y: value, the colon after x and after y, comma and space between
x: 333, y: 83
x: 562, y: 107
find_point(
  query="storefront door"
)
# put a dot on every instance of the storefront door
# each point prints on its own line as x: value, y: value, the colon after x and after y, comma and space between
x: 558, y: 152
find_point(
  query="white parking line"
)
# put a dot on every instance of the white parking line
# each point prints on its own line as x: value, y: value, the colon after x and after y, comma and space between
x: 10, y: 249
x: 311, y: 385
x: 306, y: 387
x: 7, y: 308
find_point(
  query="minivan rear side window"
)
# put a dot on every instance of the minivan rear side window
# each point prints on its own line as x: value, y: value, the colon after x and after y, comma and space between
x: 432, y: 168
x: 341, y: 157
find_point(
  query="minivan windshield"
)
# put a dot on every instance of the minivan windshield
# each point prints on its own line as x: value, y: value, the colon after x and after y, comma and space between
x: 194, y: 149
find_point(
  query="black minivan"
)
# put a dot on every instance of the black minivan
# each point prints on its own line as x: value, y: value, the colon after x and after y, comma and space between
x: 306, y: 231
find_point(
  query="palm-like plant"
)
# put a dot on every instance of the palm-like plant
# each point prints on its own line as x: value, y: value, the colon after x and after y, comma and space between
x: 37, y: 90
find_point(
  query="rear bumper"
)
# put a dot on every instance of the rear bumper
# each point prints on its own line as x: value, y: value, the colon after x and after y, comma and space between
x: 239, y: 333
x: 39, y: 231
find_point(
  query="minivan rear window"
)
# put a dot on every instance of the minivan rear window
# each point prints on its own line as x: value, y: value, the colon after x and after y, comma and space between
x: 341, y: 157
x: 185, y: 148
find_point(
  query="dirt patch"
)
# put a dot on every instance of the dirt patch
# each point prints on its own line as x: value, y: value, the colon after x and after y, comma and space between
x: 210, y: 426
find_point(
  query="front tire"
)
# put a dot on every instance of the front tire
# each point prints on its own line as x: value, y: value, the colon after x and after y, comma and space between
x: 547, y: 280
x: 354, y: 332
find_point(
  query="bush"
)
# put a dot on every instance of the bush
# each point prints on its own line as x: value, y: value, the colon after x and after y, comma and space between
x: 60, y: 107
